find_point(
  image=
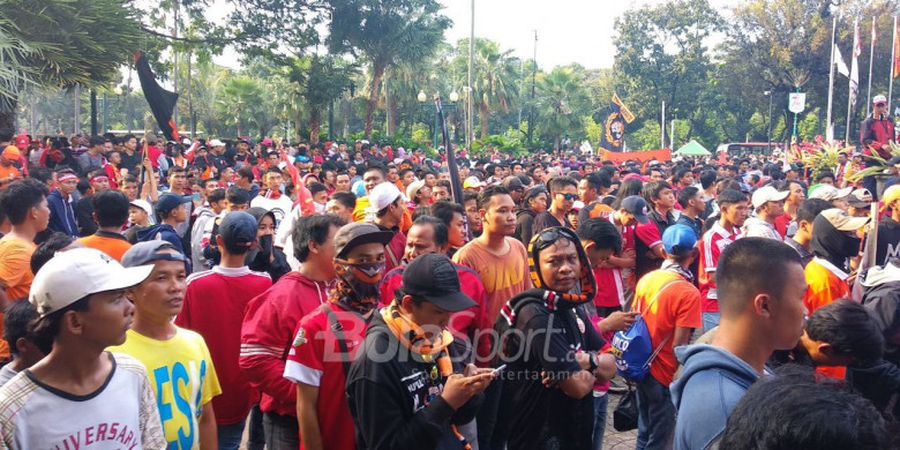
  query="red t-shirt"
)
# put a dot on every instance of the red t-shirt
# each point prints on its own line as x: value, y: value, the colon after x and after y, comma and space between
x: 714, y: 241
x: 612, y: 283
x: 315, y: 359
x: 214, y: 304
x: 781, y: 224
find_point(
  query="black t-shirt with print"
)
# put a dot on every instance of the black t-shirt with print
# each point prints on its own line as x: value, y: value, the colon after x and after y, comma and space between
x: 394, y: 397
x: 541, y: 417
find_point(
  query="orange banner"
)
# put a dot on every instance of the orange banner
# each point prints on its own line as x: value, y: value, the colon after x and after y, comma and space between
x: 642, y: 157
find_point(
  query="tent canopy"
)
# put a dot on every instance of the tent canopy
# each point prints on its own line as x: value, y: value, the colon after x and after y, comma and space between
x: 692, y: 148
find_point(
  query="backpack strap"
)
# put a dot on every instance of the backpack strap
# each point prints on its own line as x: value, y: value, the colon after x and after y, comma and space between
x: 647, y: 308
x: 339, y: 335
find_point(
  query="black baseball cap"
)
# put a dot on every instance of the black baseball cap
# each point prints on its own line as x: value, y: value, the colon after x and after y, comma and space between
x: 637, y: 207
x: 168, y: 202
x: 238, y: 228
x: 433, y: 278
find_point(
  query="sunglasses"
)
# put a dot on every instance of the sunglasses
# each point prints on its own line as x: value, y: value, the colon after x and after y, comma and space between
x: 549, y: 237
x: 880, y: 104
x: 568, y: 197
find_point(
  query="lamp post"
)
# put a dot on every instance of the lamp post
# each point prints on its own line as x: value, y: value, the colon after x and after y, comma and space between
x: 423, y: 103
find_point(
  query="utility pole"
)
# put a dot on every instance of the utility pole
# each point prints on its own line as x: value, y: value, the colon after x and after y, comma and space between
x: 470, y: 104
x: 531, y: 102
x: 175, y: 60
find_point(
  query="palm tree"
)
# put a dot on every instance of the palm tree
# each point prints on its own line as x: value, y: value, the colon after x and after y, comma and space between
x: 495, y: 81
x: 387, y: 33
x: 62, y: 43
x: 561, y: 96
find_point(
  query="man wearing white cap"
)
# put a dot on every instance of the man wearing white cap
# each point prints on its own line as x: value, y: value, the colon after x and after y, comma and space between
x: 80, y: 394
x: 829, y: 193
x: 768, y: 203
x: 877, y: 133
x: 386, y: 207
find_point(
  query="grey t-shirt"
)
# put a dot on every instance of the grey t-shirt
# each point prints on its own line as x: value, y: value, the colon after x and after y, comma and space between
x: 6, y: 374
x: 121, y: 414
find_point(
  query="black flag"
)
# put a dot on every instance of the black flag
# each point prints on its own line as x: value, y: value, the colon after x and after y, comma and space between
x: 612, y: 136
x: 162, y: 102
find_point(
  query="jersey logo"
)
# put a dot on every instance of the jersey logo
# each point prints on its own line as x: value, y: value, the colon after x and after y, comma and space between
x: 300, y: 339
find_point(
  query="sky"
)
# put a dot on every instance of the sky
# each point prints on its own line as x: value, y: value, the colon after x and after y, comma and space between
x: 568, y: 31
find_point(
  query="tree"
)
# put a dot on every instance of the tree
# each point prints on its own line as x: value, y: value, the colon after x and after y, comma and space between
x: 386, y: 33
x: 560, y: 97
x: 63, y: 43
x: 495, y: 80
x: 661, y: 55
x: 320, y: 79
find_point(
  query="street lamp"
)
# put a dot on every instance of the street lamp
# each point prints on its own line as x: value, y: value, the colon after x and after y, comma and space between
x: 423, y: 102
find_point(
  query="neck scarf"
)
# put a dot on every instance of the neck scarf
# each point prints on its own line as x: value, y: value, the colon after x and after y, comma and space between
x: 413, y: 337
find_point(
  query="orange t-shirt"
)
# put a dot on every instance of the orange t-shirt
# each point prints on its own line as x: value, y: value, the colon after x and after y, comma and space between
x: 503, y: 276
x: 15, y: 274
x: 113, y: 244
x: 825, y: 284
x: 5, y: 172
x: 678, y: 306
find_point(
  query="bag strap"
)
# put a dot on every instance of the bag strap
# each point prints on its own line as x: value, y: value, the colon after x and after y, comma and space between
x: 339, y: 335
x: 647, y: 308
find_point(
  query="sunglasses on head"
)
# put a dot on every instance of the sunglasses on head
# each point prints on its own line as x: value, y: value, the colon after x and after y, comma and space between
x: 568, y: 197
x: 549, y: 237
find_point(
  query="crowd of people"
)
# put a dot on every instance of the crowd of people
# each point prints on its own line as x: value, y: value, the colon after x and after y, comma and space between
x: 211, y: 294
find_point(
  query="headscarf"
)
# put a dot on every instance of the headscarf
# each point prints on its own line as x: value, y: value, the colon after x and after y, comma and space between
x: 545, y: 239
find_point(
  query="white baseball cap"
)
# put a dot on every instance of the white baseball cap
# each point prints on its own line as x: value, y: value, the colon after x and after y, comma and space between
x: 828, y: 192
x: 144, y: 205
x: 473, y: 183
x: 767, y: 194
x: 842, y: 221
x: 75, y: 274
x: 383, y: 195
x: 413, y: 189
x: 879, y: 99
x: 215, y: 143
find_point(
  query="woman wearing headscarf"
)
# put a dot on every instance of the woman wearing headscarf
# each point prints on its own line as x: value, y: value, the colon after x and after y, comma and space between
x: 266, y: 257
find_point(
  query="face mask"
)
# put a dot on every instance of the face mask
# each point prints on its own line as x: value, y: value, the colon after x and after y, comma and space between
x: 259, y: 257
x: 358, y: 285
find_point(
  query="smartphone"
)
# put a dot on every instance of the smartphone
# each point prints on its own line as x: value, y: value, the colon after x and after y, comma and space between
x: 499, y: 369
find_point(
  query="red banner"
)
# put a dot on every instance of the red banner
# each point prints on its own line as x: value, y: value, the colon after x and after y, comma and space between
x: 642, y: 157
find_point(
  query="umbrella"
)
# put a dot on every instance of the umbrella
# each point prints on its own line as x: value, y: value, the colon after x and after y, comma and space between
x: 692, y: 148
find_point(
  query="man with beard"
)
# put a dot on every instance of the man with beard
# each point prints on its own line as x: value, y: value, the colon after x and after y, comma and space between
x: 327, y: 339
x: 547, y: 396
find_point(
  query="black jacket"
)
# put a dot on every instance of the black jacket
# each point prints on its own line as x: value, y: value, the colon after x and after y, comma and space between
x: 388, y: 394
x: 524, y: 224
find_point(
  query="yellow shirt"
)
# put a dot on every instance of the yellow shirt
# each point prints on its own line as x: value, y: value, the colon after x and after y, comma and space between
x: 182, y: 376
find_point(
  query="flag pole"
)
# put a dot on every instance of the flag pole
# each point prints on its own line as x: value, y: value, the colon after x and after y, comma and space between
x: 893, y: 55
x: 829, y: 126
x: 854, y: 69
x: 871, y: 61
x: 662, y: 128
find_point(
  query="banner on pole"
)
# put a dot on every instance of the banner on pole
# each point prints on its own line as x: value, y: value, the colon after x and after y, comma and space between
x: 796, y: 102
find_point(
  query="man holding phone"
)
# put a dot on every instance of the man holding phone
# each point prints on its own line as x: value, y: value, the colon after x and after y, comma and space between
x: 404, y: 372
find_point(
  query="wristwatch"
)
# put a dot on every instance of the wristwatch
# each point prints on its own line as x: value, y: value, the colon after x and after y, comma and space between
x: 592, y: 360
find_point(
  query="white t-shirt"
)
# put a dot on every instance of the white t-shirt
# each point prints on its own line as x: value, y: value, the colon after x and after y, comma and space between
x: 280, y: 206
x: 121, y: 414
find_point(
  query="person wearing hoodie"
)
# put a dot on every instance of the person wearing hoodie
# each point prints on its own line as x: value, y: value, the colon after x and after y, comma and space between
x: 60, y: 202
x: 547, y: 399
x: 881, y: 297
x: 534, y: 203
x: 760, y: 285
x: 834, y: 240
x: 266, y: 257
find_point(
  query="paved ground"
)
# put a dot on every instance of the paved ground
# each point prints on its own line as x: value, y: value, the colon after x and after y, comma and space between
x: 612, y: 440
